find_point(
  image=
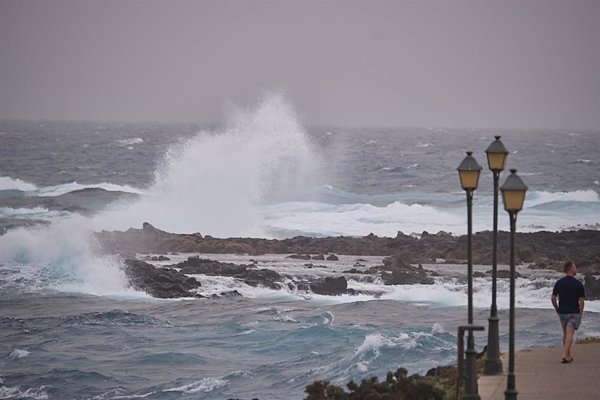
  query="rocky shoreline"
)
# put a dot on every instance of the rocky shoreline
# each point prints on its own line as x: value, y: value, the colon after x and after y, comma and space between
x: 404, y: 254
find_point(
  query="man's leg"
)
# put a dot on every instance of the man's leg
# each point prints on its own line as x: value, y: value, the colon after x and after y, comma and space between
x: 568, y: 341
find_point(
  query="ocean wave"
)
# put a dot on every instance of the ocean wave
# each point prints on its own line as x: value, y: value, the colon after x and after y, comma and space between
x: 172, y: 358
x: 358, y: 219
x: 38, y: 213
x: 38, y: 393
x: 62, y: 257
x: 130, y: 142
x: 7, y: 183
x: 537, y: 198
x: 52, y: 191
x: 222, y: 177
x: 204, y: 385
x: 17, y: 354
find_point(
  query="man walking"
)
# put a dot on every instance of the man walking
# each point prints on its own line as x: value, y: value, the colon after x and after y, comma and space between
x: 571, y: 299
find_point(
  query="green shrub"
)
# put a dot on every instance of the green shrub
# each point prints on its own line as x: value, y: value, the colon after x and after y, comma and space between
x: 397, y: 386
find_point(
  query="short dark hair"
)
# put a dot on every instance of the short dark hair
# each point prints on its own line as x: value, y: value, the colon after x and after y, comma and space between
x: 568, y: 266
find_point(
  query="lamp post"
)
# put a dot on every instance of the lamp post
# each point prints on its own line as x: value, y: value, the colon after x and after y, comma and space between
x: 496, y: 156
x: 469, y: 171
x: 513, y: 196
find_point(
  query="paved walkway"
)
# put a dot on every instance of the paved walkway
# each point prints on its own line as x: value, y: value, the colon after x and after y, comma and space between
x: 540, y: 375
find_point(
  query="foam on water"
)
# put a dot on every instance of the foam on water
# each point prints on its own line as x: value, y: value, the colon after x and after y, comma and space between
x: 360, y: 215
x: 130, y: 142
x: 62, y: 256
x: 7, y: 183
x: 204, y: 385
x: 18, y: 354
x: 216, y: 182
x: 39, y: 393
x: 537, y: 198
x: 38, y: 213
x: 358, y: 219
x: 57, y: 190
x: 532, y: 292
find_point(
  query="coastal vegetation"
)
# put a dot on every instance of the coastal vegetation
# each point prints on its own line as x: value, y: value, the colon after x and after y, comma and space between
x: 396, y: 385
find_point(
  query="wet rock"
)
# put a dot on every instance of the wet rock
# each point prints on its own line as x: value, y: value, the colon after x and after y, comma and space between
x: 159, y: 282
x: 395, y: 271
x: 248, y: 273
x: 332, y: 257
x: 299, y: 256
x: 330, y: 286
x: 549, y: 248
x: 504, y: 274
x: 592, y: 287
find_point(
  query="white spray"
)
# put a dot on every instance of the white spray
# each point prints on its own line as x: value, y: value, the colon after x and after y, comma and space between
x: 62, y: 256
x: 216, y: 182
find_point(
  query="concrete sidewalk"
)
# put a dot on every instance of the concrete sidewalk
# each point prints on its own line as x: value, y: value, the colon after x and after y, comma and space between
x: 540, y: 375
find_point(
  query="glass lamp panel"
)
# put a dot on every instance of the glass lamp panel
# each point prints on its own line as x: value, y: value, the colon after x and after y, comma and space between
x: 469, y: 179
x: 496, y: 161
x: 513, y: 199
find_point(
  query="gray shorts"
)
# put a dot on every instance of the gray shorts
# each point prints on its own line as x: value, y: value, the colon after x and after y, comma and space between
x: 570, y: 320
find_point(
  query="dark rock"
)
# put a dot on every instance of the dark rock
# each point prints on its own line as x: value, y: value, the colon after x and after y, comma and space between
x: 248, y: 273
x: 592, y: 287
x: 394, y: 271
x: 231, y: 293
x: 332, y: 257
x: 158, y: 282
x: 549, y: 248
x: 299, y: 256
x: 353, y: 271
x: 330, y: 286
x: 478, y: 274
x: 504, y: 274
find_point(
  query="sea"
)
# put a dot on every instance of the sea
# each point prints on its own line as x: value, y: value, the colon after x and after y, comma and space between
x: 71, y: 327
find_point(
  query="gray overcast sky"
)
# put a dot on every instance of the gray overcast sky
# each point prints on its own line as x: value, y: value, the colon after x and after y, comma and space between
x: 478, y: 63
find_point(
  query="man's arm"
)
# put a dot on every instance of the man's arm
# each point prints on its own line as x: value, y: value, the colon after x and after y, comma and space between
x: 581, y: 302
x: 555, y: 304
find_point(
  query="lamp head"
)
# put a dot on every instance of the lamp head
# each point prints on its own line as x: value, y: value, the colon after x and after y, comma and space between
x: 496, y: 155
x: 513, y: 192
x: 469, y: 171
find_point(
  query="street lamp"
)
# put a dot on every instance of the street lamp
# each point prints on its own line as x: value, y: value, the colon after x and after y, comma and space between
x: 496, y: 156
x: 513, y: 196
x: 469, y: 171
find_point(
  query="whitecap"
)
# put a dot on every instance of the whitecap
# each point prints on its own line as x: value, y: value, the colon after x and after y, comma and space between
x: 204, y: 385
x: 541, y: 197
x: 57, y: 190
x: 37, y: 213
x: 8, y: 183
x: 130, y: 142
x: 39, y: 393
x: 62, y: 256
x: 437, y: 328
x: 18, y: 353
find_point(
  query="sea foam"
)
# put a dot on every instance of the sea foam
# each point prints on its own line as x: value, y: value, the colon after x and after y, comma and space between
x: 62, y: 256
x: 57, y: 190
x: 7, y: 183
x: 216, y: 182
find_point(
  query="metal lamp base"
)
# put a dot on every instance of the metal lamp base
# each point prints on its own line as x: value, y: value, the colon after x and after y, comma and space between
x: 493, y: 364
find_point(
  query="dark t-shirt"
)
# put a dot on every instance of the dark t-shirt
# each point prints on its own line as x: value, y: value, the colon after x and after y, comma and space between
x: 569, y: 290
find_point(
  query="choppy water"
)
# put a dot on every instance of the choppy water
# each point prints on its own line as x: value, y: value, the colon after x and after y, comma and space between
x: 72, y: 329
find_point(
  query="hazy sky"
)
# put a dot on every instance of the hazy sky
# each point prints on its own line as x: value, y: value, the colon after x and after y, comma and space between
x: 479, y: 63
